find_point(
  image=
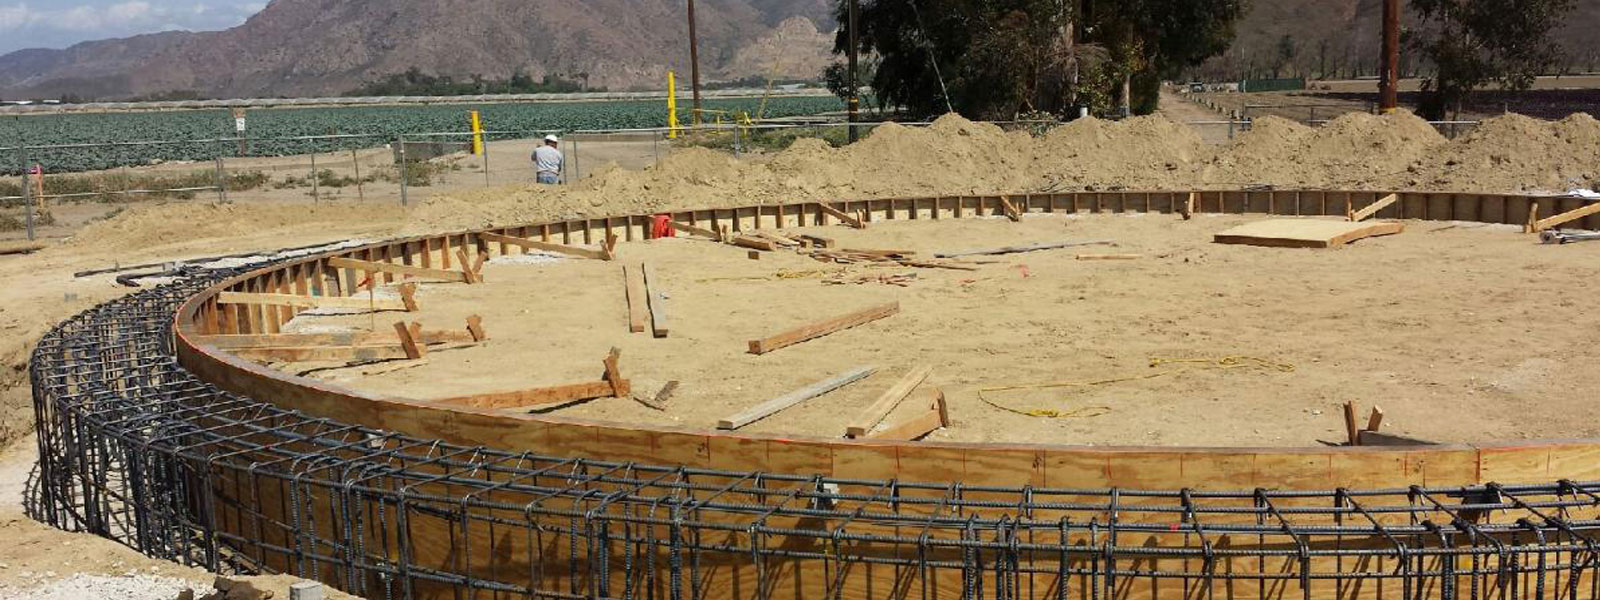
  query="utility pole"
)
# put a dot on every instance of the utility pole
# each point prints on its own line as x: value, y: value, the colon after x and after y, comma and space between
x: 1389, y: 87
x: 694, y: 63
x: 855, y: 82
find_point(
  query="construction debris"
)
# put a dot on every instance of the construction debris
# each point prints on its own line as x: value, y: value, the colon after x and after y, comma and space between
x: 657, y: 301
x: 896, y: 279
x: 1568, y: 237
x: 935, y: 418
x: 822, y: 328
x: 1021, y: 249
x: 886, y: 402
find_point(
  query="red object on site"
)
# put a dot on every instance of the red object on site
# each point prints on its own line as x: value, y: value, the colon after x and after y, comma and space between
x: 1025, y: 272
x: 661, y: 227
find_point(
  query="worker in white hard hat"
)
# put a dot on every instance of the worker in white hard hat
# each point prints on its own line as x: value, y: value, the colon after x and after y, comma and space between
x: 547, y: 160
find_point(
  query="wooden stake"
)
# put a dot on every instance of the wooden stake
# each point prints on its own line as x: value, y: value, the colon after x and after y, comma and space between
x: 1189, y: 206
x: 1351, y: 429
x: 746, y: 241
x: 1110, y: 256
x: 771, y: 407
x: 822, y: 328
x: 408, y: 296
x: 886, y: 402
x: 1533, y: 217
x: 1010, y: 209
x: 476, y: 330
x: 609, y: 250
x: 1375, y: 419
x: 614, y: 374
x: 657, y: 301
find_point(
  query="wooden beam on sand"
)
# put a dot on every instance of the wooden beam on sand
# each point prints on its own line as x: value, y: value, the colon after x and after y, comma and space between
x: 780, y: 240
x: 821, y: 328
x: 919, y: 426
x: 402, y: 270
x: 1110, y: 256
x: 1372, y: 209
x: 754, y: 243
x: 886, y: 402
x: 410, y: 339
x: 544, y: 246
x: 638, y: 306
x: 818, y: 241
x: 692, y: 230
x: 848, y: 219
x: 474, y: 329
x: 339, y: 302
x: 657, y: 300
x: 1021, y: 249
x: 1566, y: 217
x: 773, y: 406
x: 660, y: 401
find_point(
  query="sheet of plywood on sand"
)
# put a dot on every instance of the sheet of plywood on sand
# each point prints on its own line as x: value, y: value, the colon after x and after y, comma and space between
x: 1305, y: 233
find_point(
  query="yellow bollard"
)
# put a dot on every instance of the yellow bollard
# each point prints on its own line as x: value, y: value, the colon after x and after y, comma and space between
x: 672, y: 106
x: 477, y: 135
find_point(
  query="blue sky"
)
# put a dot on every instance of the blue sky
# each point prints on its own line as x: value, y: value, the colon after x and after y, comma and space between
x: 62, y: 23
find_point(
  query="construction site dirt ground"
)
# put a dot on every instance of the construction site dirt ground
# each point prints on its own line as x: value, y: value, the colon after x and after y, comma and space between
x: 1457, y: 319
x: 1509, y: 334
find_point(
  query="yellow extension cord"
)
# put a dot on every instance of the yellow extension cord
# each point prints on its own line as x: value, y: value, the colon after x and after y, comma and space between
x: 1186, y: 365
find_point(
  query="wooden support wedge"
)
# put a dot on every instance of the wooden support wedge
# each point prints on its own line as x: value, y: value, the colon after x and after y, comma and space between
x: 638, y: 305
x: 755, y: 243
x: 848, y: 219
x: 614, y: 373
x: 402, y: 270
x: 1010, y: 209
x: 936, y: 417
x: 609, y: 250
x: 1566, y: 217
x: 1533, y: 217
x: 475, y: 329
x: 340, y: 302
x: 408, y: 339
x: 544, y: 246
x: 408, y: 296
x: 773, y: 406
x: 821, y: 328
x: 657, y: 301
x: 1375, y: 419
x: 886, y: 402
x: 692, y: 230
x: 1372, y: 209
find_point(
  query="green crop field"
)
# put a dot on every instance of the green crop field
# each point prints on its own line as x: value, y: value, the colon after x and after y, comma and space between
x: 383, y: 123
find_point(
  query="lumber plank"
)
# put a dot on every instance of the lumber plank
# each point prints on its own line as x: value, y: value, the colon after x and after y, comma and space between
x: 821, y: 328
x: 545, y: 246
x: 352, y: 338
x: 1352, y: 431
x: 403, y: 270
x: 1021, y: 249
x: 886, y: 402
x: 1375, y: 419
x: 1372, y: 209
x: 1110, y: 256
x: 657, y: 301
x: 537, y: 397
x: 1566, y: 217
x: 408, y: 296
x: 842, y: 216
x: 638, y: 308
x: 755, y: 243
x: 349, y: 354
x: 660, y: 401
x: 474, y: 329
x: 781, y: 240
x: 342, y: 302
x: 692, y: 230
x: 922, y: 424
x: 818, y: 241
x: 923, y: 264
x: 773, y: 406
x: 614, y: 372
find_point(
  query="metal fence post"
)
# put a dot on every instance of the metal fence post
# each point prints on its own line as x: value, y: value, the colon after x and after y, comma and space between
x: 361, y: 187
x: 575, y: 164
x: 405, y: 170
x: 222, y: 180
x: 27, y: 190
x: 486, y: 159
x: 316, y: 192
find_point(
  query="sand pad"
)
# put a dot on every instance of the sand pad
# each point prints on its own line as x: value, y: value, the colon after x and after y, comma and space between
x: 1305, y: 233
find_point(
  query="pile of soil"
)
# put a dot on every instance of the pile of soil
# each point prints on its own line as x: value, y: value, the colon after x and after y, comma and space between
x: 956, y: 156
x: 149, y: 226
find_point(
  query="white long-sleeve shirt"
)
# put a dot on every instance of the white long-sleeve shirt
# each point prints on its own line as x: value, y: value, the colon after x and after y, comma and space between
x: 547, y: 159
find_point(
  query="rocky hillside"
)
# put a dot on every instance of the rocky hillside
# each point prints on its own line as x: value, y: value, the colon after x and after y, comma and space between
x: 323, y: 47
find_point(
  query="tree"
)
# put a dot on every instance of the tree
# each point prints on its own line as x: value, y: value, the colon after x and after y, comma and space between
x: 993, y: 59
x: 1472, y: 43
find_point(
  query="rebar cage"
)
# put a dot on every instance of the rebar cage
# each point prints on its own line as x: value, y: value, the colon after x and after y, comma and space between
x: 136, y: 449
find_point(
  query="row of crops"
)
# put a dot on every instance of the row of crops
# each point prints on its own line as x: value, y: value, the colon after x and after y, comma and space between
x: 172, y: 131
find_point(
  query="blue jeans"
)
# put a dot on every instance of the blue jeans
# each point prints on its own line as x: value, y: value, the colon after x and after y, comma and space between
x: 549, y: 178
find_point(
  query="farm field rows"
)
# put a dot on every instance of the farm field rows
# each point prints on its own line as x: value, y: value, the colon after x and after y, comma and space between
x: 382, y: 124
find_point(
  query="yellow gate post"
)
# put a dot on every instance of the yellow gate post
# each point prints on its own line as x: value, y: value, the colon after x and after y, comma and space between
x: 477, y: 134
x: 672, y: 106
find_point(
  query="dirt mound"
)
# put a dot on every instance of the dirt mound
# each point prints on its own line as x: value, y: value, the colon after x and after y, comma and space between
x: 1356, y: 150
x: 153, y: 225
x: 1518, y: 153
x: 1141, y: 152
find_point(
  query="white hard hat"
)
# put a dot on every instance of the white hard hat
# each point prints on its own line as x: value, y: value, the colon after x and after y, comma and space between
x: 552, y: 139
